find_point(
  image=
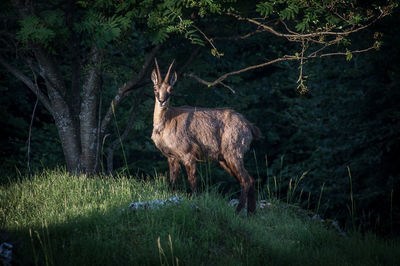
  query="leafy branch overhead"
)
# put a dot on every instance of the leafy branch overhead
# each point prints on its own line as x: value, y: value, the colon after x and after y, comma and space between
x: 320, y: 29
x: 76, y: 49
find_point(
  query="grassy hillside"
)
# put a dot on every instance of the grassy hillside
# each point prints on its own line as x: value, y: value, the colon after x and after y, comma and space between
x: 56, y: 219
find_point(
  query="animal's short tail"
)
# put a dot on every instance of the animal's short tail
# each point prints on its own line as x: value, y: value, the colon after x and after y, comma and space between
x: 255, y: 131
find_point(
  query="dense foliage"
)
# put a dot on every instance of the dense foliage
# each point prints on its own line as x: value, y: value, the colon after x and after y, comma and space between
x: 345, y: 118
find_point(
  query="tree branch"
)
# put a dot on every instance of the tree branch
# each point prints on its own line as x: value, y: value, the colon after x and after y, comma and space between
x: 313, y: 55
x: 126, y: 88
x: 295, y: 35
x: 302, y: 87
x: 51, y: 74
x: 240, y: 37
x: 210, y: 41
x: 28, y: 82
x: 226, y: 75
x: 280, y: 59
x: 48, y: 69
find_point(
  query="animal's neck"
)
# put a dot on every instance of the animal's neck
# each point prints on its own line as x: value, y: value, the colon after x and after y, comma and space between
x: 159, y: 117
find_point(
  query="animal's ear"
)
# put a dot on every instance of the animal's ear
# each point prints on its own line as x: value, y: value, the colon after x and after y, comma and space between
x: 173, y: 79
x: 154, y: 77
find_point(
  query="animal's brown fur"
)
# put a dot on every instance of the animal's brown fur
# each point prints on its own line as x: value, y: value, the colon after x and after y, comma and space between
x: 188, y: 134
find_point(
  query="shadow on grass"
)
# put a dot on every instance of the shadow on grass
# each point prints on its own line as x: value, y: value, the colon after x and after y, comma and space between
x: 64, y: 221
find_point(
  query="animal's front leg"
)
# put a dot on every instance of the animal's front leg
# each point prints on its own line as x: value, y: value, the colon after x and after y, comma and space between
x: 191, y: 172
x: 173, y: 170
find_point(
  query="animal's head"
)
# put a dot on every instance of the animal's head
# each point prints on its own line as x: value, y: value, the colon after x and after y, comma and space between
x: 163, y: 88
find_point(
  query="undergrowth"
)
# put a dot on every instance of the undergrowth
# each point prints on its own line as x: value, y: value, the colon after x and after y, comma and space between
x: 57, y: 219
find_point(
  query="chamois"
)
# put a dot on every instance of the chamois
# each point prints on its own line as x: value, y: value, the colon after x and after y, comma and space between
x: 188, y: 134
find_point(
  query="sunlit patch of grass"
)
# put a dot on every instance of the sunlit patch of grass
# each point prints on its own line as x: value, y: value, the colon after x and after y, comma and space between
x: 57, y: 219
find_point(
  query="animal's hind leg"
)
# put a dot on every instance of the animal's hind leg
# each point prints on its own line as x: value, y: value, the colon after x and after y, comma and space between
x: 250, y: 193
x: 226, y: 168
x: 246, y: 183
x: 173, y: 170
x: 251, y: 196
x: 191, y: 172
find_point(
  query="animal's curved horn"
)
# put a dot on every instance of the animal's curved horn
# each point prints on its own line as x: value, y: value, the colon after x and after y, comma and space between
x: 169, y: 71
x: 158, y: 70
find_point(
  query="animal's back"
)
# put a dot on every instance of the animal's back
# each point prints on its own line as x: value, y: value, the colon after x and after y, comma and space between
x: 207, y: 133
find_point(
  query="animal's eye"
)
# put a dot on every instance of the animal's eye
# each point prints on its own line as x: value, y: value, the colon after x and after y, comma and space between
x: 155, y: 88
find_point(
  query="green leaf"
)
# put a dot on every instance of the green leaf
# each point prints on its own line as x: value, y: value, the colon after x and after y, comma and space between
x: 35, y: 30
x: 301, y: 26
x: 349, y: 55
x: 265, y: 8
x: 213, y: 52
x: 159, y: 36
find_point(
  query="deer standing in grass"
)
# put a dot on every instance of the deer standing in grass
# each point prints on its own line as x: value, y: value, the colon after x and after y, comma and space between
x: 189, y: 134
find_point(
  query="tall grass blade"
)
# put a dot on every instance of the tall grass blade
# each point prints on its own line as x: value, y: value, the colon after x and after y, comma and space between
x: 49, y: 251
x: 174, y: 260
x: 161, y: 253
x: 391, y: 211
x: 351, y: 200
x: 120, y: 140
x: 289, y: 192
x: 35, y: 257
x: 301, y: 193
x: 258, y: 173
x: 266, y: 165
x: 280, y: 177
x: 320, y: 197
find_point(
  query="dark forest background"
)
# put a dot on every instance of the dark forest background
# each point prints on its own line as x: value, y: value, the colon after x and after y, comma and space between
x: 348, y: 119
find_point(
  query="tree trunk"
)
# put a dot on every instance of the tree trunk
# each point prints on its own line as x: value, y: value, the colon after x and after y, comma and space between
x: 69, y: 141
x: 62, y: 115
x: 75, y: 109
x: 88, y: 116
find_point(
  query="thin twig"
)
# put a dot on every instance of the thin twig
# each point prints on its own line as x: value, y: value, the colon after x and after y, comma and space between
x: 210, y: 41
x: 96, y: 165
x: 292, y: 39
x: 320, y: 50
x: 373, y: 47
x: 226, y: 86
x: 240, y: 37
x: 303, y: 88
x: 31, y: 124
x: 28, y: 82
x: 226, y: 75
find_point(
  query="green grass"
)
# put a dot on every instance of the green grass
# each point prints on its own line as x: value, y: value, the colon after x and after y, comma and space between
x: 57, y: 219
